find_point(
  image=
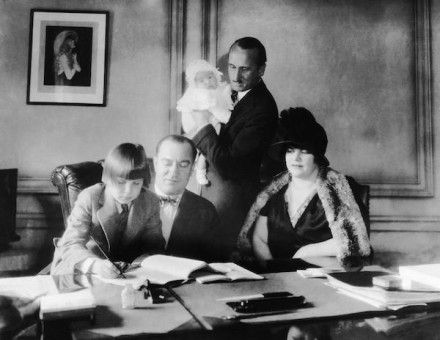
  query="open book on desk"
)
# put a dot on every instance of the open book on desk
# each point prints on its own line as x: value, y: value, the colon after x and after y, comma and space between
x: 163, y: 269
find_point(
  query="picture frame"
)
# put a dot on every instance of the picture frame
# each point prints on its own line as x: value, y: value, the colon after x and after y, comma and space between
x: 67, y: 57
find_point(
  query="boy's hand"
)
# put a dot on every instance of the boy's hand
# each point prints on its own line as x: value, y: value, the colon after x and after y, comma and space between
x: 105, y: 268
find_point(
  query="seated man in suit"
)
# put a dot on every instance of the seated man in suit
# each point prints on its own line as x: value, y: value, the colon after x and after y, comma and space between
x: 189, y: 222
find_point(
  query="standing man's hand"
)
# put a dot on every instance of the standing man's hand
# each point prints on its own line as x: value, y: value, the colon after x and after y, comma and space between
x: 201, y: 118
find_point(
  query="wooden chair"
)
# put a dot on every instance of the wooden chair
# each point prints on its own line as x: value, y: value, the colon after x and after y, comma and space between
x: 71, y: 179
x: 361, y: 193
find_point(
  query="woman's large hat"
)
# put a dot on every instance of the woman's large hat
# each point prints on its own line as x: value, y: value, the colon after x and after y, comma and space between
x: 298, y: 128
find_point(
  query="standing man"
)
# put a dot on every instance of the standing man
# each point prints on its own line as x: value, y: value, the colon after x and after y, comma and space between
x: 189, y: 222
x: 234, y: 156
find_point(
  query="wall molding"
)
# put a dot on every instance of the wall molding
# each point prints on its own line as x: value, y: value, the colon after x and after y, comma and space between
x: 401, y: 223
x: 396, y: 223
x: 209, y: 30
x: 423, y: 185
x: 35, y: 185
x: 176, y: 48
x: 38, y: 221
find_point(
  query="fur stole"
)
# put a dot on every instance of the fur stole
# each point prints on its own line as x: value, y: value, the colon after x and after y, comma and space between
x: 342, y: 212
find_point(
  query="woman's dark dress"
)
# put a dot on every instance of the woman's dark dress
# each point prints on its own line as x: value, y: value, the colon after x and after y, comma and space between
x: 283, y: 239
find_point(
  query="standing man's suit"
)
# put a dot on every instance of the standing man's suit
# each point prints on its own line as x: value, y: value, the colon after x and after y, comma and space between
x: 234, y: 159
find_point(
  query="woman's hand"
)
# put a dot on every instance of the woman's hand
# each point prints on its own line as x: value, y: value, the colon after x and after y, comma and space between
x: 302, y: 252
x: 105, y: 268
x: 325, y: 248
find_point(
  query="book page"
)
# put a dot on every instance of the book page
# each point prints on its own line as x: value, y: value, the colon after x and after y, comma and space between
x: 178, y: 267
x: 224, y: 272
x: 206, y: 276
x: 237, y: 272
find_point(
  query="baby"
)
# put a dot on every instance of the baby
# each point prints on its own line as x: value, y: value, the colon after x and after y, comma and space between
x: 207, y: 92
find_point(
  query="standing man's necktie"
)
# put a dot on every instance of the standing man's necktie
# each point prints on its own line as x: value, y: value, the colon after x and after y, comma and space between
x: 234, y: 97
x: 124, y: 209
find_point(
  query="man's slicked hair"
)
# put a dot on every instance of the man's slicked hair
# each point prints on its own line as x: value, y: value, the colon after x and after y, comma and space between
x: 250, y: 43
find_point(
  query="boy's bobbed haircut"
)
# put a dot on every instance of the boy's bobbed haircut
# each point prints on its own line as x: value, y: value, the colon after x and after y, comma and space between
x: 127, y: 161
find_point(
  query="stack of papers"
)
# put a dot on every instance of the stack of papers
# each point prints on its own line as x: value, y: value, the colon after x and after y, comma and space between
x: 359, y: 285
x: 428, y: 274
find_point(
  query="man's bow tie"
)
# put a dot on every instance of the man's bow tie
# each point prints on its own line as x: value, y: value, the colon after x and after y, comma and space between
x: 168, y: 199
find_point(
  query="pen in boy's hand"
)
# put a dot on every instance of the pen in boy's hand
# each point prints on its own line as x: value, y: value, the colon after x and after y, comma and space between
x: 121, y: 273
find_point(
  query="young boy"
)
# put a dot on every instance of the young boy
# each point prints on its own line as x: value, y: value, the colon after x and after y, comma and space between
x: 118, y: 219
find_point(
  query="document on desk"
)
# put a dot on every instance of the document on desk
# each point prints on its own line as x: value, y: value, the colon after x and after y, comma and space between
x: 163, y: 269
x: 28, y: 286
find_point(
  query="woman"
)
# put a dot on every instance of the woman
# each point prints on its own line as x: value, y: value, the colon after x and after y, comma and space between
x: 308, y: 210
x: 66, y: 64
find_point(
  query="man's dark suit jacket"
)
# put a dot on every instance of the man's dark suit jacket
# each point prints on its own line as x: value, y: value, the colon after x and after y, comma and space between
x: 195, y: 229
x: 234, y: 159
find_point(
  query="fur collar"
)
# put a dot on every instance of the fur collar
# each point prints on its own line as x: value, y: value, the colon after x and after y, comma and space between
x: 342, y: 212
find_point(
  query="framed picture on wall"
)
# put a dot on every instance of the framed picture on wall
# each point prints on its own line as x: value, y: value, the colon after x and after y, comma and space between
x: 67, y: 57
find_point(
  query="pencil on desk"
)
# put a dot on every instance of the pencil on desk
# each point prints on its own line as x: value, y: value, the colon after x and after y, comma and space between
x: 121, y: 273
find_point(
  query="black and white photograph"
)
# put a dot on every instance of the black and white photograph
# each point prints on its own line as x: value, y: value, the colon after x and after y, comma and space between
x: 67, y: 58
x: 220, y: 169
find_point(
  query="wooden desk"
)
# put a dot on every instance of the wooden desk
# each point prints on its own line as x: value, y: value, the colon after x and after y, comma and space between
x: 112, y: 320
x: 330, y: 315
x: 323, y: 301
